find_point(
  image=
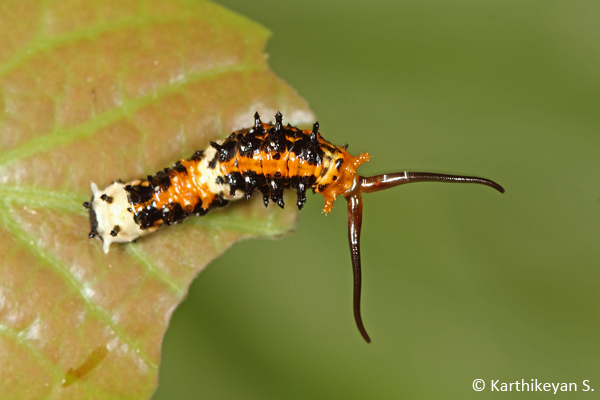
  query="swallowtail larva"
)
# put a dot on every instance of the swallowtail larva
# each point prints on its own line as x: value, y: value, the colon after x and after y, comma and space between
x: 266, y: 157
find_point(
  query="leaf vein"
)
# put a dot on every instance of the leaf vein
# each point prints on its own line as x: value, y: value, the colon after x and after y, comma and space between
x: 29, y: 241
x: 142, y: 257
x: 42, y: 43
x: 45, y: 142
x: 9, y: 333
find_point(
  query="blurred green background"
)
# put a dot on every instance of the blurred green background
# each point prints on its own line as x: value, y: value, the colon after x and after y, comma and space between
x: 460, y: 282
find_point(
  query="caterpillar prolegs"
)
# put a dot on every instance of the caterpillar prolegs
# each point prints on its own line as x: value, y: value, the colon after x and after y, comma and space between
x: 266, y: 157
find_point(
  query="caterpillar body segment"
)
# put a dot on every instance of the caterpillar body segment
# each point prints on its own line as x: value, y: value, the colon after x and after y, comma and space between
x: 266, y: 157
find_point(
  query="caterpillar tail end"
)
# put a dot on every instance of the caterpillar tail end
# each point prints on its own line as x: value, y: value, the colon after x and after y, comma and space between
x: 111, y: 216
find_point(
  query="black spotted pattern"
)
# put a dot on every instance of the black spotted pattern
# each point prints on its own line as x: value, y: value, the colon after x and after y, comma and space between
x: 262, y: 138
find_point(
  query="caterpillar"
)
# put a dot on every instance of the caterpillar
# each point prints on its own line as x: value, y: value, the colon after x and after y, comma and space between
x: 268, y: 158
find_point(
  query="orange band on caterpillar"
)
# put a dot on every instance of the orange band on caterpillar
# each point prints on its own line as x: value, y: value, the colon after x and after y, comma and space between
x: 266, y: 157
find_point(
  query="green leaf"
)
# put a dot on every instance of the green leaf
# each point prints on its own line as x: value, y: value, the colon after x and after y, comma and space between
x: 96, y: 91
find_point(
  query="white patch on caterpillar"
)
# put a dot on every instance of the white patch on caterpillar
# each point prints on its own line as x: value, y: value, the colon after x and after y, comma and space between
x: 115, y: 213
x: 209, y: 176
